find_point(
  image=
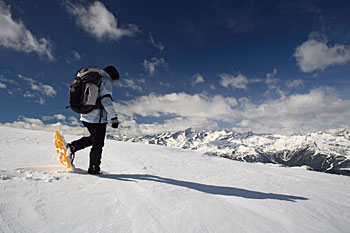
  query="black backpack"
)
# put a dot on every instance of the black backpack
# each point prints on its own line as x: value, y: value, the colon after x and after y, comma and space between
x: 84, y: 91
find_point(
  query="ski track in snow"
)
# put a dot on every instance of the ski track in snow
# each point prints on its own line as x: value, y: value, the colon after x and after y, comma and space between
x: 150, y: 188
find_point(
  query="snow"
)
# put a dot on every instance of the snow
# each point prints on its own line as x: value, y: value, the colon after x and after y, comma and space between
x: 150, y: 188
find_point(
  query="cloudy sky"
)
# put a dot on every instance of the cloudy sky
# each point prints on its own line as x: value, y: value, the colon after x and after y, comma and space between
x: 254, y: 65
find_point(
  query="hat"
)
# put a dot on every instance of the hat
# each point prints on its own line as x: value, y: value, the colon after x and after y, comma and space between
x: 113, y: 72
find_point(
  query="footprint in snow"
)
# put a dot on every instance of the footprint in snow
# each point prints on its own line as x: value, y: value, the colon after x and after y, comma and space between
x: 28, y: 174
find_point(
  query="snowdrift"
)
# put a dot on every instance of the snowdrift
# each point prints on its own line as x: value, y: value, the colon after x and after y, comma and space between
x: 149, y: 188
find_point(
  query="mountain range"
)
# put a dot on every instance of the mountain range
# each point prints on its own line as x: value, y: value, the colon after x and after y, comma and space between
x: 327, y: 151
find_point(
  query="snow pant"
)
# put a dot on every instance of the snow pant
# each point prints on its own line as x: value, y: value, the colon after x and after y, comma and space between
x: 96, y: 140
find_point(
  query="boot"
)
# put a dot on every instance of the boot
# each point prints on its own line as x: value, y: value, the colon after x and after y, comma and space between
x: 94, y: 170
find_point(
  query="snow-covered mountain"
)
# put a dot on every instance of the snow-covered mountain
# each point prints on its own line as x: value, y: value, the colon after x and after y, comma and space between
x: 327, y: 151
x: 150, y: 188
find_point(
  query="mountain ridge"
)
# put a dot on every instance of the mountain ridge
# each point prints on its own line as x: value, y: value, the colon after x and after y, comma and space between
x: 324, y: 151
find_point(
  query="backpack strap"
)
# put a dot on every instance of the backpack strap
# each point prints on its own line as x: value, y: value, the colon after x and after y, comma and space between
x: 107, y: 95
x: 84, y: 71
x: 99, y: 101
x: 101, y: 106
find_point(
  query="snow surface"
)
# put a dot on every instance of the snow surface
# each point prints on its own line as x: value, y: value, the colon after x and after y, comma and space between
x: 151, y: 188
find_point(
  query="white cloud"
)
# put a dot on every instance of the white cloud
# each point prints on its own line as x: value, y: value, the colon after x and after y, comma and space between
x: 37, y: 124
x: 272, y: 83
x: 244, y: 123
x: 28, y: 88
x: 151, y: 66
x: 74, y: 121
x: 197, y: 78
x: 271, y: 80
x: 44, y: 89
x: 15, y: 35
x: 239, y: 81
x: 270, y: 75
x: 56, y: 117
x: 175, y: 111
x: 129, y: 83
x: 98, y: 21
x: 75, y: 56
x: 295, y: 83
x: 316, y: 54
x: 3, y: 85
x: 41, y: 101
x: 28, y: 95
x: 164, y: 84
x: 155, y: 44
x: 320, y: 108
x: 180, y: 104
x: 8, y: 81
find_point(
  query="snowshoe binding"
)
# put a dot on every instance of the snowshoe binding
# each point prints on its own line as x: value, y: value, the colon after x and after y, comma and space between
x: 70, y: 153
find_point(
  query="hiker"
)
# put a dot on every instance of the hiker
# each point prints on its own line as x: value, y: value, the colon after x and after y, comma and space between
x: 96, y: 120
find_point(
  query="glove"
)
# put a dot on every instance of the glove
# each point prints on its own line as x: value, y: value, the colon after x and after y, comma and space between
x: 115, y: 122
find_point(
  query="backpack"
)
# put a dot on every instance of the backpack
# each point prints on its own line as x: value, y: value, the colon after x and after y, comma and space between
x: 84, y: 91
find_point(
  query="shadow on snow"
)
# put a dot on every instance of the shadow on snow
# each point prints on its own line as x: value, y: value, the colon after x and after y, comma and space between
x: 210, y: 189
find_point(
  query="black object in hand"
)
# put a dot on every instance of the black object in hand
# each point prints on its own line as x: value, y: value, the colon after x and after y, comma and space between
x: 115, y: 122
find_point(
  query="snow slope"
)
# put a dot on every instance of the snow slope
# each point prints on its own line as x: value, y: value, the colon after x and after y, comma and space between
x: 152, y: 188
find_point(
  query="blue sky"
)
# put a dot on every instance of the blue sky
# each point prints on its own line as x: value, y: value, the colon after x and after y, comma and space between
x: 262, y: 66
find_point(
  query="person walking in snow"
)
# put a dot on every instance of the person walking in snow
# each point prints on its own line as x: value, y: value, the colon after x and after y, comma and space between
x: 96, y: 121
